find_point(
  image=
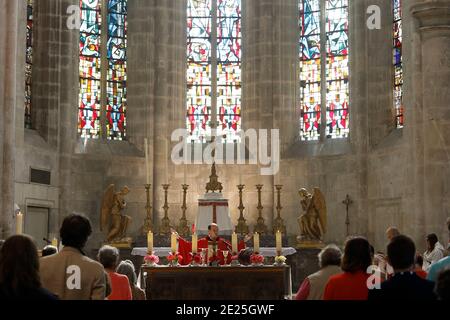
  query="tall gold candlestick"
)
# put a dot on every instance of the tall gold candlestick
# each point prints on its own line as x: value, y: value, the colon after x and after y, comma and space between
x: 261, y: 226
x: 242, y: 227
x: 148, y: 222
x: 278, y: 224
x: 183, y: 228
x: 165, y: 228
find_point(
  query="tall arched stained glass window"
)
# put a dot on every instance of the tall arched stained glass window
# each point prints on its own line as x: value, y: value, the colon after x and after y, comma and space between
x: 324, y: 69
x: 398, y: 63
x: 29, y: 64
x: 103, y: 69
x: 214, y: 69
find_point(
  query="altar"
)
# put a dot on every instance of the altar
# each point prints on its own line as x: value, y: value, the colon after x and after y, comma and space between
x: 217, y: 283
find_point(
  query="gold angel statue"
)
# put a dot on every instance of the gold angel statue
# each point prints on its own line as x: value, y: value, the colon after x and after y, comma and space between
x: 313, y: 222
x: 112, y: 219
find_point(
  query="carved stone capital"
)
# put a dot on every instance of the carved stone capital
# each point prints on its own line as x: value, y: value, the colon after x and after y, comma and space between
x: 433, y: 16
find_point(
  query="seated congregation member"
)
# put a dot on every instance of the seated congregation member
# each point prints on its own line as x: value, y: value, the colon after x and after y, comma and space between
x: 419, y: 267
x: 70, y: 274
x: 405, y: 284
x: 443, y: 285
x: 19, y: 271
x: 437, y: 268
x: 330, y: 264
x: 120, y: 286
x: 434, y: 253
x: 49, y: 251
x: 352, y: 284
x: 127, y: 269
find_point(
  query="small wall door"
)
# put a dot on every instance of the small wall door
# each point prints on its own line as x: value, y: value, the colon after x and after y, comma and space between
x: 36, y: 225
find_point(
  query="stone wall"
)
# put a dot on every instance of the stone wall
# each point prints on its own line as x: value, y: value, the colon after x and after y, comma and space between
x: 393, y: 176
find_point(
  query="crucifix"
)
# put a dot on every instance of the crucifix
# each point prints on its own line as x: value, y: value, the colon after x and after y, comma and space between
x: 348, y: 202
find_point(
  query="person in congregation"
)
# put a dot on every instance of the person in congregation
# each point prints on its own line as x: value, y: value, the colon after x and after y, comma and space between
x: 419, y: 267
x: 1, y: 243
x: 59, y: 272
x: 443, y: 286
x: 437, y: 268
x: 405, y: 284
x: 19, y: 271
x: 434, y: 252
x: 313, y: 287
x: 127, y: 269
x: 49, y: 251
x: 121, y: 289
x: 185, y: 247
x: 352, y: 284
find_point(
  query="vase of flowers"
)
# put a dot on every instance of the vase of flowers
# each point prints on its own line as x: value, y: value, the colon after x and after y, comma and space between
x: 257, y: 259
x: 280, y: 261
x: 174, y: 259
x: 151, y: 260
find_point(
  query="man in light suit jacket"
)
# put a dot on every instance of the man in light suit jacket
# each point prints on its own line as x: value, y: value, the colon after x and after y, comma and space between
x: 70, y: 274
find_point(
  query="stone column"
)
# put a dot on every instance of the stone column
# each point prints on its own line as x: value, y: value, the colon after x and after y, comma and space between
x: 433, y: 19
x: 8, y: 99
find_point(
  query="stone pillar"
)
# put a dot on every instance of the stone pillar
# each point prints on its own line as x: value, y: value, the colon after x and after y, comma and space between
x: 433, y: 19
x: 8, y: 99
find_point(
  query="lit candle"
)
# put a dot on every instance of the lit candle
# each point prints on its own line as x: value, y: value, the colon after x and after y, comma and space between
x: 174, y: 242
x: 150, y: 242
x: 279, y: 242
x: 19, y: 223
x: 256, y: 242
x: 234, y: 243
x: 194, y: 243
x: 55, y: 242
x: 147, y: 164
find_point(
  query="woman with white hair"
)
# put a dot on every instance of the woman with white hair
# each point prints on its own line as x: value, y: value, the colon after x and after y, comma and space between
x: 127, y: 269
x: 313, y: 287
x: 109, y: 257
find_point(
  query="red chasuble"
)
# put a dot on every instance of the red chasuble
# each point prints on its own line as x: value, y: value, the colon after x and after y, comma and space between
x: 185, y: 248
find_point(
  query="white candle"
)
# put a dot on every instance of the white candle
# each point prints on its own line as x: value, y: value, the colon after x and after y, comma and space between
x: 279, y: 242
x: 147, y: 164
x: 234, y: 243
x: 150, y: 242
x: 19, y: 223
x: 174, y: 242
x: 194, y: 243
x: 55, y: 242
x: 256, y: 242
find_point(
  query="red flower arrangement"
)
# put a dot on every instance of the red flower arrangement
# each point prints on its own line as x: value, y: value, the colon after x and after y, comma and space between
x: 197, y: 259
x: 151, y: 259
x: 175, y: 258
x: 257, y: 259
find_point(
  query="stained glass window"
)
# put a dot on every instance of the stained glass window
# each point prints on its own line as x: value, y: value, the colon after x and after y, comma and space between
x: 398, y: 63
x: 214, y: 69
x: 324, y: 56
x: 29, y: 63
x: 103, y: 69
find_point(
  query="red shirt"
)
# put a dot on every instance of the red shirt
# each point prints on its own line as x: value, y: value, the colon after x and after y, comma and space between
x: 421, y: 273
x: 347, y: 286
x: 120, y: 286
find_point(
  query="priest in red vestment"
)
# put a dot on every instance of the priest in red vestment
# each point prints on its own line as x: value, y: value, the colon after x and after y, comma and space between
x: 211, y: 241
